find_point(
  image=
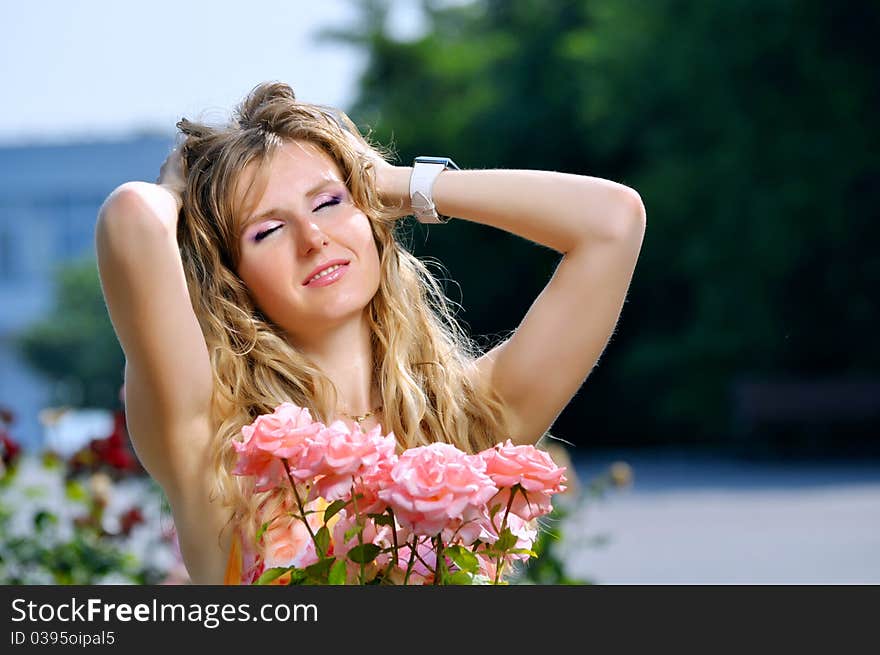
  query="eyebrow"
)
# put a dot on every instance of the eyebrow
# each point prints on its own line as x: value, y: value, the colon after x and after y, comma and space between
x: 278, y: 210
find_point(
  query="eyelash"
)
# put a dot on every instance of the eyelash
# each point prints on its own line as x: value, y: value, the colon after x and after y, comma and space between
x: 335, y: 200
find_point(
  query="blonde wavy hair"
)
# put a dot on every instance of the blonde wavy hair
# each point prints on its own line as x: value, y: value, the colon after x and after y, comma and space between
x: 422, y: 357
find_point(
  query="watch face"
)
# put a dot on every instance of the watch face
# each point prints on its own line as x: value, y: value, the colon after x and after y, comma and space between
x: 446, y: 161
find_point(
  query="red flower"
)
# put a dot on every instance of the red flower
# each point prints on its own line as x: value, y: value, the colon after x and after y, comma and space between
x: 112, y: 451
x: 9, y: 449
x: 129, y: 519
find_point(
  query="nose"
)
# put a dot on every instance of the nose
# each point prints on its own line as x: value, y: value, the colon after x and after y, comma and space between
x: 312, y: 238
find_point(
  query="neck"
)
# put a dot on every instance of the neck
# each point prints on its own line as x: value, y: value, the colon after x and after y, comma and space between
x: 344, y: 354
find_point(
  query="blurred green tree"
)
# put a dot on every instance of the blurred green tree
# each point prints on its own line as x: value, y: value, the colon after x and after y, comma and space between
x: 746, y: 126
x: 75, y: 347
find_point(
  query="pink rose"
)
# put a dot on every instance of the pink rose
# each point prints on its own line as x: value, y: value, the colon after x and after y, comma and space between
x: 525, y: 532
x: 279, y: 434
x: 337, y: 455
x: 357, y: 452
x: 532, y: 469
x: 438, y: 489
x: 371, y: 534
x: 283, y: 432
x: 347, y: 521
x: 488, y: 566
x: 424, y: 564
x: 287, y: 542
x: 369, y: 482
x: 309, y: 462
x: 267, y: 469
x: 270, y: 437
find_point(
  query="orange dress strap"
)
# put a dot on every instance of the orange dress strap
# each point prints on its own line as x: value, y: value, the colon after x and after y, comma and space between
x: 234, y: 564
x: 243, y: 566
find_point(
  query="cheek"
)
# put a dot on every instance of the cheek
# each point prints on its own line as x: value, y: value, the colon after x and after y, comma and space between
x: 371, y: 256
x: 366, y: 241
x: 261, y: 277
x: 251, y: 275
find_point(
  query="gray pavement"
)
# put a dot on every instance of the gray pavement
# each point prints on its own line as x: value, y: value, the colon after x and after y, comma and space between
x: 693, y: 519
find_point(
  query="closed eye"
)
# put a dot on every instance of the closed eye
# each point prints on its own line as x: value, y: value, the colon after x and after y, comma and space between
x: 335, y: 200
x: 259, y: 236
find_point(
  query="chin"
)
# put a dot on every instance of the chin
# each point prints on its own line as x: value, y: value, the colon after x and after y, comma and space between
x: 332, y: 317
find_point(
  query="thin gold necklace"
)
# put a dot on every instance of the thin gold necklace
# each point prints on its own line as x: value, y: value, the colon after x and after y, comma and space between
x: 362, y: 417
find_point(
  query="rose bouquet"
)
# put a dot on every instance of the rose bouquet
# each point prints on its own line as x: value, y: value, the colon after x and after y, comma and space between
x: 359, y: 513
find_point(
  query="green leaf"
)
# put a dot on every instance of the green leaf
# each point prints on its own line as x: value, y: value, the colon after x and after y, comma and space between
x: 463, y: 558
x: 297, y: 576
x: 506, y: 541
x: 383, y: 519
x: 460, y: 578
x: 42, y: 518
x: 337, y: 573
x: 523, y: 551
x: 322, y: 539
x: 270, y: 575
x: 75, y: 491
x: 333, y: 509
x: 364, y: 553
x: 319, y: 570
x: 262, y: 529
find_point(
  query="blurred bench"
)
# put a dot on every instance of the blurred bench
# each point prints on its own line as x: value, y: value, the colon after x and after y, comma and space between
x: 760, y: 403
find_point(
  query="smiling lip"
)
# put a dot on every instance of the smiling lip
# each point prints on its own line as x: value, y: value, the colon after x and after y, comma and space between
x: 329, y: 278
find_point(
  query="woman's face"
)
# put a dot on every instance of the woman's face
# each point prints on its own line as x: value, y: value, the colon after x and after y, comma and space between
x: 305, y: 219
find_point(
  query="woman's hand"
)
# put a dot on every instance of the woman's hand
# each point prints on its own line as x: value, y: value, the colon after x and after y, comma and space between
x: 392, y: 182
x: 171, y: 176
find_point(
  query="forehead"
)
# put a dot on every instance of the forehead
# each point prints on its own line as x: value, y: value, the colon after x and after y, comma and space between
x: 293, y: 169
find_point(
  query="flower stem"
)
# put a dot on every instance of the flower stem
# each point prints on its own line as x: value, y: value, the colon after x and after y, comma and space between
x: 302, y: 511
x: 396, y: 549
x: 516, y: 489
x: 438, y: 542
x: 393, y: 532
x: 360, y: 521
x: 412, y: 558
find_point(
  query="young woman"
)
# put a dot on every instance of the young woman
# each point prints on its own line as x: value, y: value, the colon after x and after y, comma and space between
x: 264, y: 267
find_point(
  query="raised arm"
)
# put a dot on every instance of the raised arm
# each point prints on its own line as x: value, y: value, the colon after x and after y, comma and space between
x: 597, y: 225
x: 168, y: 375
x: 168, y: 380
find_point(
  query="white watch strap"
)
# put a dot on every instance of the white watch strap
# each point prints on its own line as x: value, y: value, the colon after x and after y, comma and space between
x: 421, y: 185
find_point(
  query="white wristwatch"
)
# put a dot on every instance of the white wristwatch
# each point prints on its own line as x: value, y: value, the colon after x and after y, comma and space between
x: 421, y: 183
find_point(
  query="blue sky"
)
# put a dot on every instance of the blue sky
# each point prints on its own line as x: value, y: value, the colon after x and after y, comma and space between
x: 96, y: 68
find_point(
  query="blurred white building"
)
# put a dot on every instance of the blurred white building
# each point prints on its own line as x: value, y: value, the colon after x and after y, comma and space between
x: 49, y: 199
